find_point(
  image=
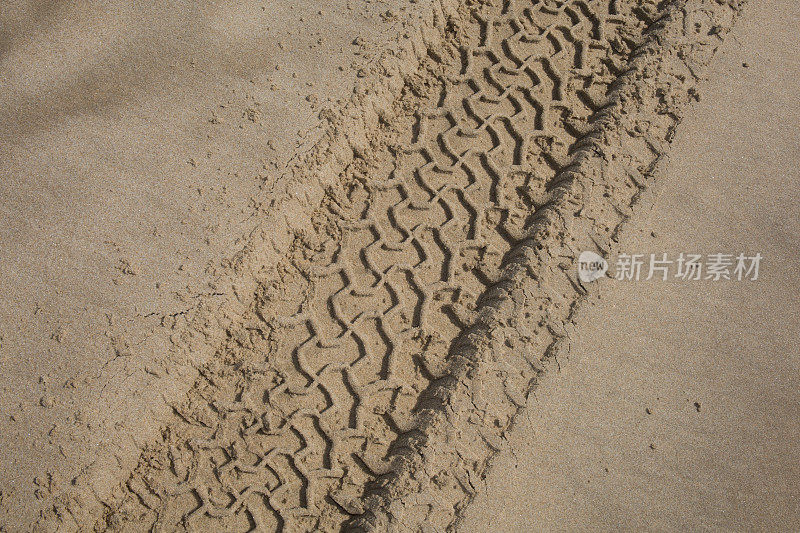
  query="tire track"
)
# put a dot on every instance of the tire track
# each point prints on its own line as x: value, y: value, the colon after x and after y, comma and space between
x: 362, y: 358
x: 525, y: 316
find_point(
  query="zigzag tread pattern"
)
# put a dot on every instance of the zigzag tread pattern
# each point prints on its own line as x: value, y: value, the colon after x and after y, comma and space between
x: 308, y: 401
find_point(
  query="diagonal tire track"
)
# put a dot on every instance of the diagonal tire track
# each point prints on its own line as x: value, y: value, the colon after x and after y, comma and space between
x: 336, y: 379
x: 494, y: 363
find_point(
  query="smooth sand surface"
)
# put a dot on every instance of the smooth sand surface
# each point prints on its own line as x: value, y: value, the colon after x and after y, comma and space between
x: 716, y: 364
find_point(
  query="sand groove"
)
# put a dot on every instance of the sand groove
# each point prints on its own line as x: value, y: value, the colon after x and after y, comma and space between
x: 317, y: 399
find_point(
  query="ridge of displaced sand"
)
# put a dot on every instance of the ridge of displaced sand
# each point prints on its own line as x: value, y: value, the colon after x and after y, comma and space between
x: 467, y: 413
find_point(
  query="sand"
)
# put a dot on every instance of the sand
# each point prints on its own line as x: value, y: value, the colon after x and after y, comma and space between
x: 291, y: 266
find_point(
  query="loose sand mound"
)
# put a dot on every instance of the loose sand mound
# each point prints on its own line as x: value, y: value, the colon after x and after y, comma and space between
x: 380, y: 330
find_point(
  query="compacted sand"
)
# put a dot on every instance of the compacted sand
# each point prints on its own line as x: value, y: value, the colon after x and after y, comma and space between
x: 292, y: 266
